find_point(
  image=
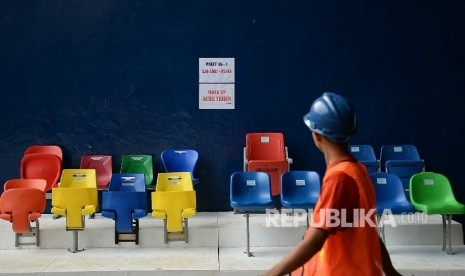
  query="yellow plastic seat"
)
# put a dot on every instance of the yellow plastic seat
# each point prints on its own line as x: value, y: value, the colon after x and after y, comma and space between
x: 174, y: 201
x: 75, y: 198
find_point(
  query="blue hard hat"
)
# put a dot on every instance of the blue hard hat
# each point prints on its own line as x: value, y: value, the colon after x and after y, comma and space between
x: 332, y: 116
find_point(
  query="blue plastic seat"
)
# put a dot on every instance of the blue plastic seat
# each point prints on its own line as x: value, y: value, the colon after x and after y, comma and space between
x: 403, y: 161
x: 390, y: 196
x: 365, y: 155
x: 180, y: 160
x: 300, y: 189
x: 250, y: 192
x: 125, y: 202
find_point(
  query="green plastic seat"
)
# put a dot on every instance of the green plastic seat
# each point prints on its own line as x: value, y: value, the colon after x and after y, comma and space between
x: 138, y: 163
x: 432, y: 193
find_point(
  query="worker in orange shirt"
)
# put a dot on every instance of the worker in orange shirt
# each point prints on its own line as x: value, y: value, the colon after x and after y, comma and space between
x: 342, y: 238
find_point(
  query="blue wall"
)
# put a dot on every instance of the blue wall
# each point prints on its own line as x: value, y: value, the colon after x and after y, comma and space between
x: 120, y: 77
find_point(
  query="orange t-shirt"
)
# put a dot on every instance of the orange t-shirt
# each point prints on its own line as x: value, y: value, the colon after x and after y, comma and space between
x: 346, y: 209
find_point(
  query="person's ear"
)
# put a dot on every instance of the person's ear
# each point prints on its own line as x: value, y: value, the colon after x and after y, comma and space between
x: 317, y: 137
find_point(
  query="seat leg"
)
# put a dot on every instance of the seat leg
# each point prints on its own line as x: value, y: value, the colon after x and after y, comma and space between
x: 165, y: 230
x: 75, y: 243
x: 17, y: 239
x: 444, y: 232
x: 449, y: 234
x: 186, y: 231
x: 136, y: 230
x: 36, y: 232
x: 248, y: 235
x: 380, y: 220
x: 308, y: 217
x: 33, y: 232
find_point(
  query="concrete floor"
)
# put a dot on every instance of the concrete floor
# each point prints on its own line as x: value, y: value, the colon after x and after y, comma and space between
x: 216, y: 247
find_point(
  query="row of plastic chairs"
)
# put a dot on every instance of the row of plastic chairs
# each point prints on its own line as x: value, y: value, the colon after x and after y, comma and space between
x: 430, y: 193
x: 173, y: 160
x: 45, y: 162
x: 125, y: 201
x: 250, y: 192
x: 401, y: 160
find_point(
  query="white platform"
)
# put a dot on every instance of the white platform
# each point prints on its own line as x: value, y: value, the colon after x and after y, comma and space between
x: 216, y: 245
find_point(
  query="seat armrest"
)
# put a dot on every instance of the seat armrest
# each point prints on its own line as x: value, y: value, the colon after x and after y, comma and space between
x: 109, y: 214
x: 59, y: 211
x: 188, y: 212
x: 88, y: 210
x: 34, y: 215
x: 139, y: 213
x: 246, y: 161
x: 159, y: 214
x: 289, y: 160
x: 6, y: 216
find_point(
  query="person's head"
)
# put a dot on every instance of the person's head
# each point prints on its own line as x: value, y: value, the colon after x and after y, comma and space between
x: 332, y: 118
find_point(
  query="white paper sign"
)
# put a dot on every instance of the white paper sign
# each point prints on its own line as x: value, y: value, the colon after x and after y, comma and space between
x: 216, y: 96
x: 216, y: 70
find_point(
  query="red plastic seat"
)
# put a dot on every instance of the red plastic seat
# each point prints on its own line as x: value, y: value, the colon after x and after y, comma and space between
x: 42, y: 166
x: 266, y: 152
x: 103, y: 168
x: 22, y: 201
x: 44, y: 149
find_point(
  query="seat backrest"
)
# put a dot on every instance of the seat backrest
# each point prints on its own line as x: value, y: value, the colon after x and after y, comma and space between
x: 78, y: 178
x: 102, y: 165
x: 41, y: 166
x: 20, y: 203
x: 138, y: 163
x: 127, y: 182
x: 179, y: 160
x: 265, y: 146
x: 250, y: 187
x: 398, y: 152
x: 430, y: 187
x: 175, y: 181
x: 388, y: 187
x: 39, y: 184
x: 53, y: 149
x: 299, y: 186
x: 362, y: 152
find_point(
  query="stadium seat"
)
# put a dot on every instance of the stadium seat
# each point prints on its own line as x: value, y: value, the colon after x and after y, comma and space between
x: 432, y: 193
x: 125, y: 202
x: 390, y: 196
x: 250, y: 192
x: 52, y: 149
x: 300, y: 190
x: 138, y: 163
x: 103, y: 168
x: 366, y: 155
x: 403, y: 161
x: 41, y: 166
x: 174, y: 201
x: 22, y: 202
x: 75, y: 198
x: 267, y: 152
x: 180, y: 160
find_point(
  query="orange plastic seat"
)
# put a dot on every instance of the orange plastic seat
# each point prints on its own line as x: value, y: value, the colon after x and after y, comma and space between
x: 102, y: 164
x: 53, y: 149
x: 41, y: 166
x: 22, y: 202
x: 266, y: 152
